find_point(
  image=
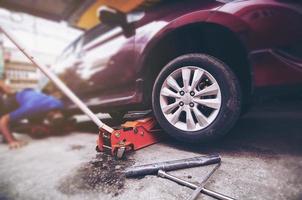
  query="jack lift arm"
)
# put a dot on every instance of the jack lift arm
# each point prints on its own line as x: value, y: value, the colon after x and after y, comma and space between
x: 132, y: 135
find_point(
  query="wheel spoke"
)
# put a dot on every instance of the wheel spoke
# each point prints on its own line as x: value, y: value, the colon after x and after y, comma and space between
x: 202, y: 120
x: 211, y: 103
x: 169, y: 108
x: 186, y: 78
x: 196, y: 78
x: 189, y: 119
x: 210, y: 90
x: 175, y: 116
x: 169, y: 93
x: 184, y: 105
x: 173, y: 84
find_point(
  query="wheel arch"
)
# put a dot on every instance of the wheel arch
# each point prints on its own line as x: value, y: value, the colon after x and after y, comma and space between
x: 208, y: 37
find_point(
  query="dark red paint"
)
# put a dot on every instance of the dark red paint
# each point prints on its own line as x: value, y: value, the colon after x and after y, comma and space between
x: 110, y: 71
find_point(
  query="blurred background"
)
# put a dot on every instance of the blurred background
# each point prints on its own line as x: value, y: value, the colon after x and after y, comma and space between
x: 262, y: 154
x: 44, y: 38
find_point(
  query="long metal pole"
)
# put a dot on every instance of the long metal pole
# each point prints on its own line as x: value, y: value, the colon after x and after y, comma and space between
x: 58, y: 83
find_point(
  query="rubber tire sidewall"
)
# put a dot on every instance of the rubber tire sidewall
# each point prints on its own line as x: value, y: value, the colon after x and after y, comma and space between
x: 230, y: 95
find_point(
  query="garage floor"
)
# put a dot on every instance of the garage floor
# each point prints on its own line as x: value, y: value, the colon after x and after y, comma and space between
x: 262, y: 159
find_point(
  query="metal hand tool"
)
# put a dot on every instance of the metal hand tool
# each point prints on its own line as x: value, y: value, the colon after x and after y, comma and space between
x: 172, y: 165
x: 196, y: 192
x: 211, y: 193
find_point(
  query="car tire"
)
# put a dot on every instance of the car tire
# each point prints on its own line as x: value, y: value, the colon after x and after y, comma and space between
x: 206, y: 114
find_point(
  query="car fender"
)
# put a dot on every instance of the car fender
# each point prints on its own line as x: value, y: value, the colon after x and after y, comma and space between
x: 231, y: 22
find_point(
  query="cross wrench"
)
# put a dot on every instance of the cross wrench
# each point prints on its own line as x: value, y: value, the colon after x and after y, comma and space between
x: 197, y: 191
x: 211, y: 193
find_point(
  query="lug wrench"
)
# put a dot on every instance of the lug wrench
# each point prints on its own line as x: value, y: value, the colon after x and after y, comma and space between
x: 197, y: 191
x: 196, y: 188
x: 161, y: 167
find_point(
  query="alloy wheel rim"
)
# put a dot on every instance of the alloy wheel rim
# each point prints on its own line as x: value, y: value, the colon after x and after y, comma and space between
x: 190, y: 98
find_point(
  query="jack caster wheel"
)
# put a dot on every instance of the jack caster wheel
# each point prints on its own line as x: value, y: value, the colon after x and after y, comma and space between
x: 120, y: 153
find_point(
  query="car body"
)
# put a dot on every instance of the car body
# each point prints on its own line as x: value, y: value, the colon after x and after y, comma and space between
x: 261, y: 41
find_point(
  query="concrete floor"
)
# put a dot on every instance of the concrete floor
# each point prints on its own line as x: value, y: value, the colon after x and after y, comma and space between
x: 261, y: 159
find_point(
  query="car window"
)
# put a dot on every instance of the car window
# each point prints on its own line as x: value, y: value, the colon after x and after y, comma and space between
x: 67, y: 51
x: 95, y: 32
x: 85, y: 38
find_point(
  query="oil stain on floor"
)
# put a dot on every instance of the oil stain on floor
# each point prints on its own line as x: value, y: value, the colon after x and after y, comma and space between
x: 104, y: 173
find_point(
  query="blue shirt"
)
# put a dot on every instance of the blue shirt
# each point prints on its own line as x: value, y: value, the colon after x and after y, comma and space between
x: 33, y: 103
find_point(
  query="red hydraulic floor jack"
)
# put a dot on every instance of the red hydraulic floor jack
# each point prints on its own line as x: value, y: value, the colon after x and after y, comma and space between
x: 132, y: 135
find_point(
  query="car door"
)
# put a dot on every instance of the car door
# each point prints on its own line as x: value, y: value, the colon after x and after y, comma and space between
x: 99, y: 64
x: 107, y: 60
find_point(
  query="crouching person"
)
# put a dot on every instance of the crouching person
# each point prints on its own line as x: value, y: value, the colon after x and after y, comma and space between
x: 25, y: 104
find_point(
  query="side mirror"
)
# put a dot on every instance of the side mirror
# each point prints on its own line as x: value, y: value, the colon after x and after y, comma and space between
x: 113, y: 17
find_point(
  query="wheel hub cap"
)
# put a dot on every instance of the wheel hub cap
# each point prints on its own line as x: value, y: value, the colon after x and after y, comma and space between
x: 190, y: 98
x: 187, y: 99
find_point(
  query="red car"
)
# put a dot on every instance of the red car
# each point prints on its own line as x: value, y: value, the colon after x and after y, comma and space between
x: 195, y: 63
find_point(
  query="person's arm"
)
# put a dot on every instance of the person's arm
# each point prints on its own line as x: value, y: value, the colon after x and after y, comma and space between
x: 8, y: 136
